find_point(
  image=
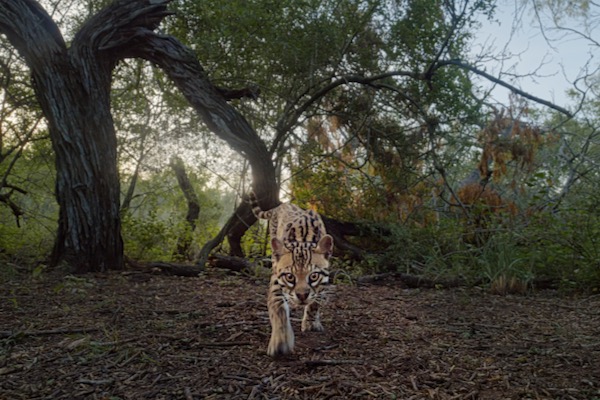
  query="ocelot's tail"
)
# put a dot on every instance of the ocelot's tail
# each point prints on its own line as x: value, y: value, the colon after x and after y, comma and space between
x: 258, y: 212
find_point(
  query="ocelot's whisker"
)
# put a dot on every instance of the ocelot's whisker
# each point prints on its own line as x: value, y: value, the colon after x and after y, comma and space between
x: 301, y: 249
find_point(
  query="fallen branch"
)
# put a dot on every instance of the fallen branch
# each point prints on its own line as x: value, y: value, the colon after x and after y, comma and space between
x: 59, y: 331
x: 321, y: 363
x: 232, y: 263
x: 163, y: 268
x: 222, y: 344
x: 96, y: 382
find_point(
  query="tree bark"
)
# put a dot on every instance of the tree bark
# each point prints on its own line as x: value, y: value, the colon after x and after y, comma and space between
x: 183, y: 68
x: 181, y: 65
x: 234, y: 229
x: 235, y: 264
x: 73, y: 87
x: 163, y: 268
x: 244, y: 218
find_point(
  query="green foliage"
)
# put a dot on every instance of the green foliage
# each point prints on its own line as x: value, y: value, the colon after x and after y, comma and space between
x: 149, y: 238
x: 270, y: 42
x: 255, y: 241
x: 30, y: 237
x: 27, y: 212
x: 565, y: 245
x: 562, y: 248
x: 384, y: 153
x: 426, y: 32
x: 156, y: 222
x: 25, y: 243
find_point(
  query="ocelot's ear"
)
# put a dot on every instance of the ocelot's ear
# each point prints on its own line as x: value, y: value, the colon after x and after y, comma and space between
x: 277, y: 247
x: 325, y: 246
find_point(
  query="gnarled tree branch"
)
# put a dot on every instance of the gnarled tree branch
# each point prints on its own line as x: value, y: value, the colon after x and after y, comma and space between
x: 73, y: 87
x: 502, y: 83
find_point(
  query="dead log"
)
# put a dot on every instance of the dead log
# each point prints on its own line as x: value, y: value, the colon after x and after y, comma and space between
x: 231, y: 263
x: 164, y: 268
x: 173, y: 269
x: 234, y: 229
x: 339, y: 230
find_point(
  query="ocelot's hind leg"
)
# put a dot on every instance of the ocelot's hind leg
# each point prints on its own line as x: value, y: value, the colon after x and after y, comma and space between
x: 311, y: 320
x: 282, y: 335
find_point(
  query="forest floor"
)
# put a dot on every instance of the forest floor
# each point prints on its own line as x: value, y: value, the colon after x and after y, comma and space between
x: 134, y: 335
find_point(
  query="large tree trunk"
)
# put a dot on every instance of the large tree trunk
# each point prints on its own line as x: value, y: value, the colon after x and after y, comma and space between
x: 133, y: 38
x: 182, y: 66
x: 73, y: 88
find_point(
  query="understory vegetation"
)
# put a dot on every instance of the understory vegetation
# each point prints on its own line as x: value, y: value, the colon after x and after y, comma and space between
x: 549, y: 248
x: 374, y: 114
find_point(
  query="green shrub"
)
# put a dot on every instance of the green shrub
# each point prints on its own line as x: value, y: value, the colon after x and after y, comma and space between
x: 149, y: 238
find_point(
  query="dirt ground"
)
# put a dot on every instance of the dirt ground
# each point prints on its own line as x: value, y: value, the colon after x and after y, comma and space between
x: 136, y: 335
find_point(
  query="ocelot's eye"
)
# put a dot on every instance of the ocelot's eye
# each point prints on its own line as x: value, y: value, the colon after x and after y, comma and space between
x: 314, y: 277
x: 289, y: 277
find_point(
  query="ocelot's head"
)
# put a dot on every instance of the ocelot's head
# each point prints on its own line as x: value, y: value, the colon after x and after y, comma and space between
x: 302, y: 268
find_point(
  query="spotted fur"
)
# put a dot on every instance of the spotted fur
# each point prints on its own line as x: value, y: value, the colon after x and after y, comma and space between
x: 301, y: 249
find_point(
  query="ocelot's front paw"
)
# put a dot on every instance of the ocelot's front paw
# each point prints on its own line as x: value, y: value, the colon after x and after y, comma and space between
x: 312, y: 326
x: 280, y: 345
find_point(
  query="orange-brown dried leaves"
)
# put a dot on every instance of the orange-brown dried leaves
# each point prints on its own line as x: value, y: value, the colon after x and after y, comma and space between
x: 504, y: 140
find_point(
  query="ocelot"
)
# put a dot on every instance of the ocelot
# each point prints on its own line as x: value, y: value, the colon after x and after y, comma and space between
x: 301, y: 249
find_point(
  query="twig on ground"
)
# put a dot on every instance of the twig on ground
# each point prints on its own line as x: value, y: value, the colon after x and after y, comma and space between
x: 320, y: 363
x: 222, y: 344
x: 58, y: 331
x: 96, y: 382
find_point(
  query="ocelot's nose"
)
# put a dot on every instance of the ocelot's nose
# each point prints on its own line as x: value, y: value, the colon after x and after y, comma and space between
x: 302, y: 296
